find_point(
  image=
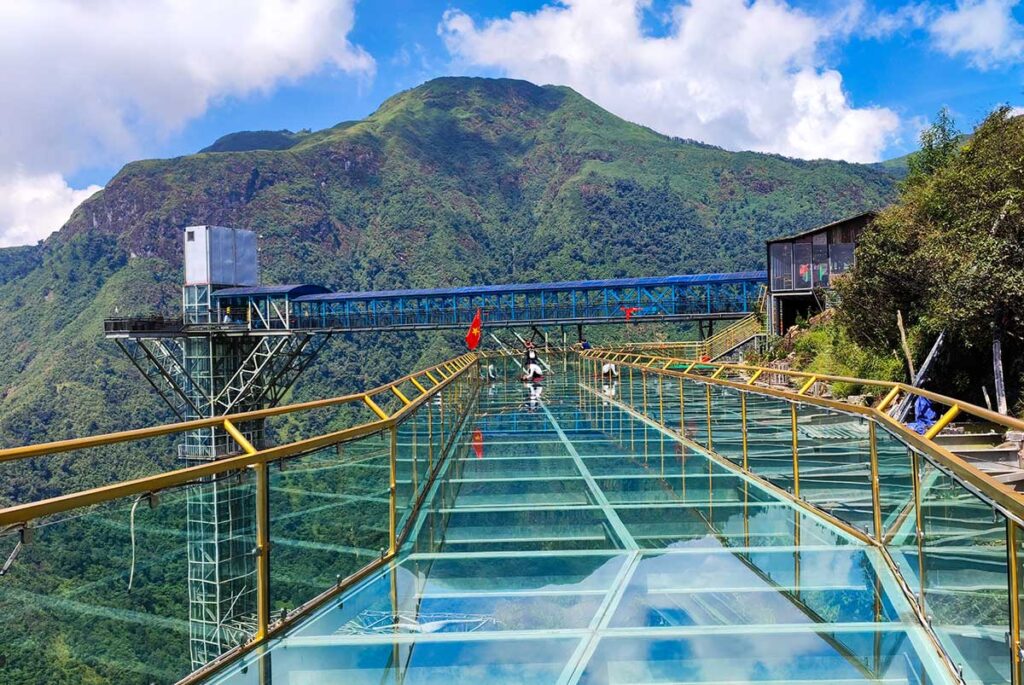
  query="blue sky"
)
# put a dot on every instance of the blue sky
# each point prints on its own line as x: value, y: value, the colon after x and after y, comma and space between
x: 95, y: 85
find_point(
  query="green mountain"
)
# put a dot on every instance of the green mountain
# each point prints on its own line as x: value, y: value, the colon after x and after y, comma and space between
x: 457, y: 181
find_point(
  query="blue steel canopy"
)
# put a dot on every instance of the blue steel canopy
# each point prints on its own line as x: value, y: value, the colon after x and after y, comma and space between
x: 619, y: 300
x: 471, y: 290
x: 292, y: 291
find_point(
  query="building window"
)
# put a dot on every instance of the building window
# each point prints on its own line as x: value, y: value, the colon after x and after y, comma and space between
x: 841, y: 258
x: 802, y: 265
x: 190, y: 236
x: 819, y: 260
x: 782, y: 266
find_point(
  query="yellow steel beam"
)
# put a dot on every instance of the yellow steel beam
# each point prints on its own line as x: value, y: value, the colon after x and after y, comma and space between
x: 60, y: 446
x: 242, y: 441
x: 262, y: 533
x: 1014, y: 587
x: 398, y: 393
x: 23, y: 513
x: 889, y: 397
x: 943, y: 421
x: 757, y: 374
x: 419, y: 386
x: 807, y: 386
x: 376, y: 409
x: 999, y: 493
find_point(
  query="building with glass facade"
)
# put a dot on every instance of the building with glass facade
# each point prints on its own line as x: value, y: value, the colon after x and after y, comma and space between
x: 801, y: 266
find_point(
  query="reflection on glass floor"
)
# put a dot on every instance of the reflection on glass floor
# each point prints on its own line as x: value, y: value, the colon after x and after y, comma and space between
x: 560, y: 549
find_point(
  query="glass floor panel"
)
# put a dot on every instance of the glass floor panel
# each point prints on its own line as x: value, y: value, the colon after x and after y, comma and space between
x: 577, y: 545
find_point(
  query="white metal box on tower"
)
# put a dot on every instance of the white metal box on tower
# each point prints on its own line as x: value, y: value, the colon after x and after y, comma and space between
x: 218, y: 255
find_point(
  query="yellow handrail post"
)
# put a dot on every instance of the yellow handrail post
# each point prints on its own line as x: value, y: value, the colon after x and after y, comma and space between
x: 643, y: 382
x: 807, y: 386
x: 707, y: 390
x: 661, y: 399
x: 889, y: 397
x: 796, y: 454
x: 682, y: 406
x: 743, y: 426
x: 915, y: 476
x: 376, y: 409
x: 876, y: 499
x: 393, y: 505
x: 1013, y: 580
x: 632, y: 402
x: 944, y: 421
x: 262, y: 533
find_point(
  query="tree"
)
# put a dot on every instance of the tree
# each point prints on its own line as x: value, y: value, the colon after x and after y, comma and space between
x: 950, y: 252
x: 940, y: 142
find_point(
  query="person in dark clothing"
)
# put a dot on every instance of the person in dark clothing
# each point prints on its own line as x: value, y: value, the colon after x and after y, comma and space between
x: 531, y: 355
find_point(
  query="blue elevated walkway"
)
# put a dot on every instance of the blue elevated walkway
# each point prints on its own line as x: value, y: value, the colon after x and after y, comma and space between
x: 667, y: 298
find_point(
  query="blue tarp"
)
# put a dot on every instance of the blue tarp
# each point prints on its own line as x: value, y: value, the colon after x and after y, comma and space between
x: 924, y: 416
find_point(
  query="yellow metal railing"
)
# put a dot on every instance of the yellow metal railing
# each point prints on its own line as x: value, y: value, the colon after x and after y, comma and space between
x: 909, y: 497
x: 712, y: 348
x: 434, y: 401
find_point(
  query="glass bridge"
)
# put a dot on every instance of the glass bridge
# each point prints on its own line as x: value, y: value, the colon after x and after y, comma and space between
x: 667, y: 522
x: 569, y: 541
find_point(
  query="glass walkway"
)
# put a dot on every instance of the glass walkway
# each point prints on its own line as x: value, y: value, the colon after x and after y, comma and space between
x: 569, y: 541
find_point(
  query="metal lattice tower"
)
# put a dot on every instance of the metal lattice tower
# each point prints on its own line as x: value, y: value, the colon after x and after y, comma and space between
x: 204, y: 366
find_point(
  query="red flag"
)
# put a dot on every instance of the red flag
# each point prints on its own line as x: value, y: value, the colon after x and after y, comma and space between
x: 478, y: 443
x: 475, y: 330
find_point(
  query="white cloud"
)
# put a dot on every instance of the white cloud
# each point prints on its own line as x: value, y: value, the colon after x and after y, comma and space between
x: 884, y: 24
x: 985, y: 31
x: 96, y: 82
x: 33, y: 207
x: 744, y: 75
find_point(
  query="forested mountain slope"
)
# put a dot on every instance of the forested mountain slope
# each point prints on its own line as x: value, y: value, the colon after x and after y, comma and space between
x: 458, y: 181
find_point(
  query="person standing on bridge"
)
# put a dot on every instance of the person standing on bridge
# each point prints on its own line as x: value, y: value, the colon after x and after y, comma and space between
x: 531, y: 355
x: 533, y: 373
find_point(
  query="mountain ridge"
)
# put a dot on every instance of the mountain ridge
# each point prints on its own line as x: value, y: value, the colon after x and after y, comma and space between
x: 455, y: 182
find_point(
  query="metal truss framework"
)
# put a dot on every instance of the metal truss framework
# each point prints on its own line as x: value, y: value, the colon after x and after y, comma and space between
x: 672, y: 298
x: 203, y: 376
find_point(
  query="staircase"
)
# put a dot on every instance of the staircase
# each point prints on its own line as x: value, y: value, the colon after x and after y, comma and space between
x: 991, y: 451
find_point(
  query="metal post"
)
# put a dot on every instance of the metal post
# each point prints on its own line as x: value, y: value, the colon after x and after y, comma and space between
x: 661, y: 399
x: 682, y: 404
x: 1013, y: 580
x: 796, y: 455
x: 632, y: 402
x: 393, y: 508
x: 919, y: 527
x: 643, y: 383
x: 430, y: 437
x: 707, y: 392
x: 262, y: 550
x: 414, y: 469
x: 743, y: 426
x: 876, y: 501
